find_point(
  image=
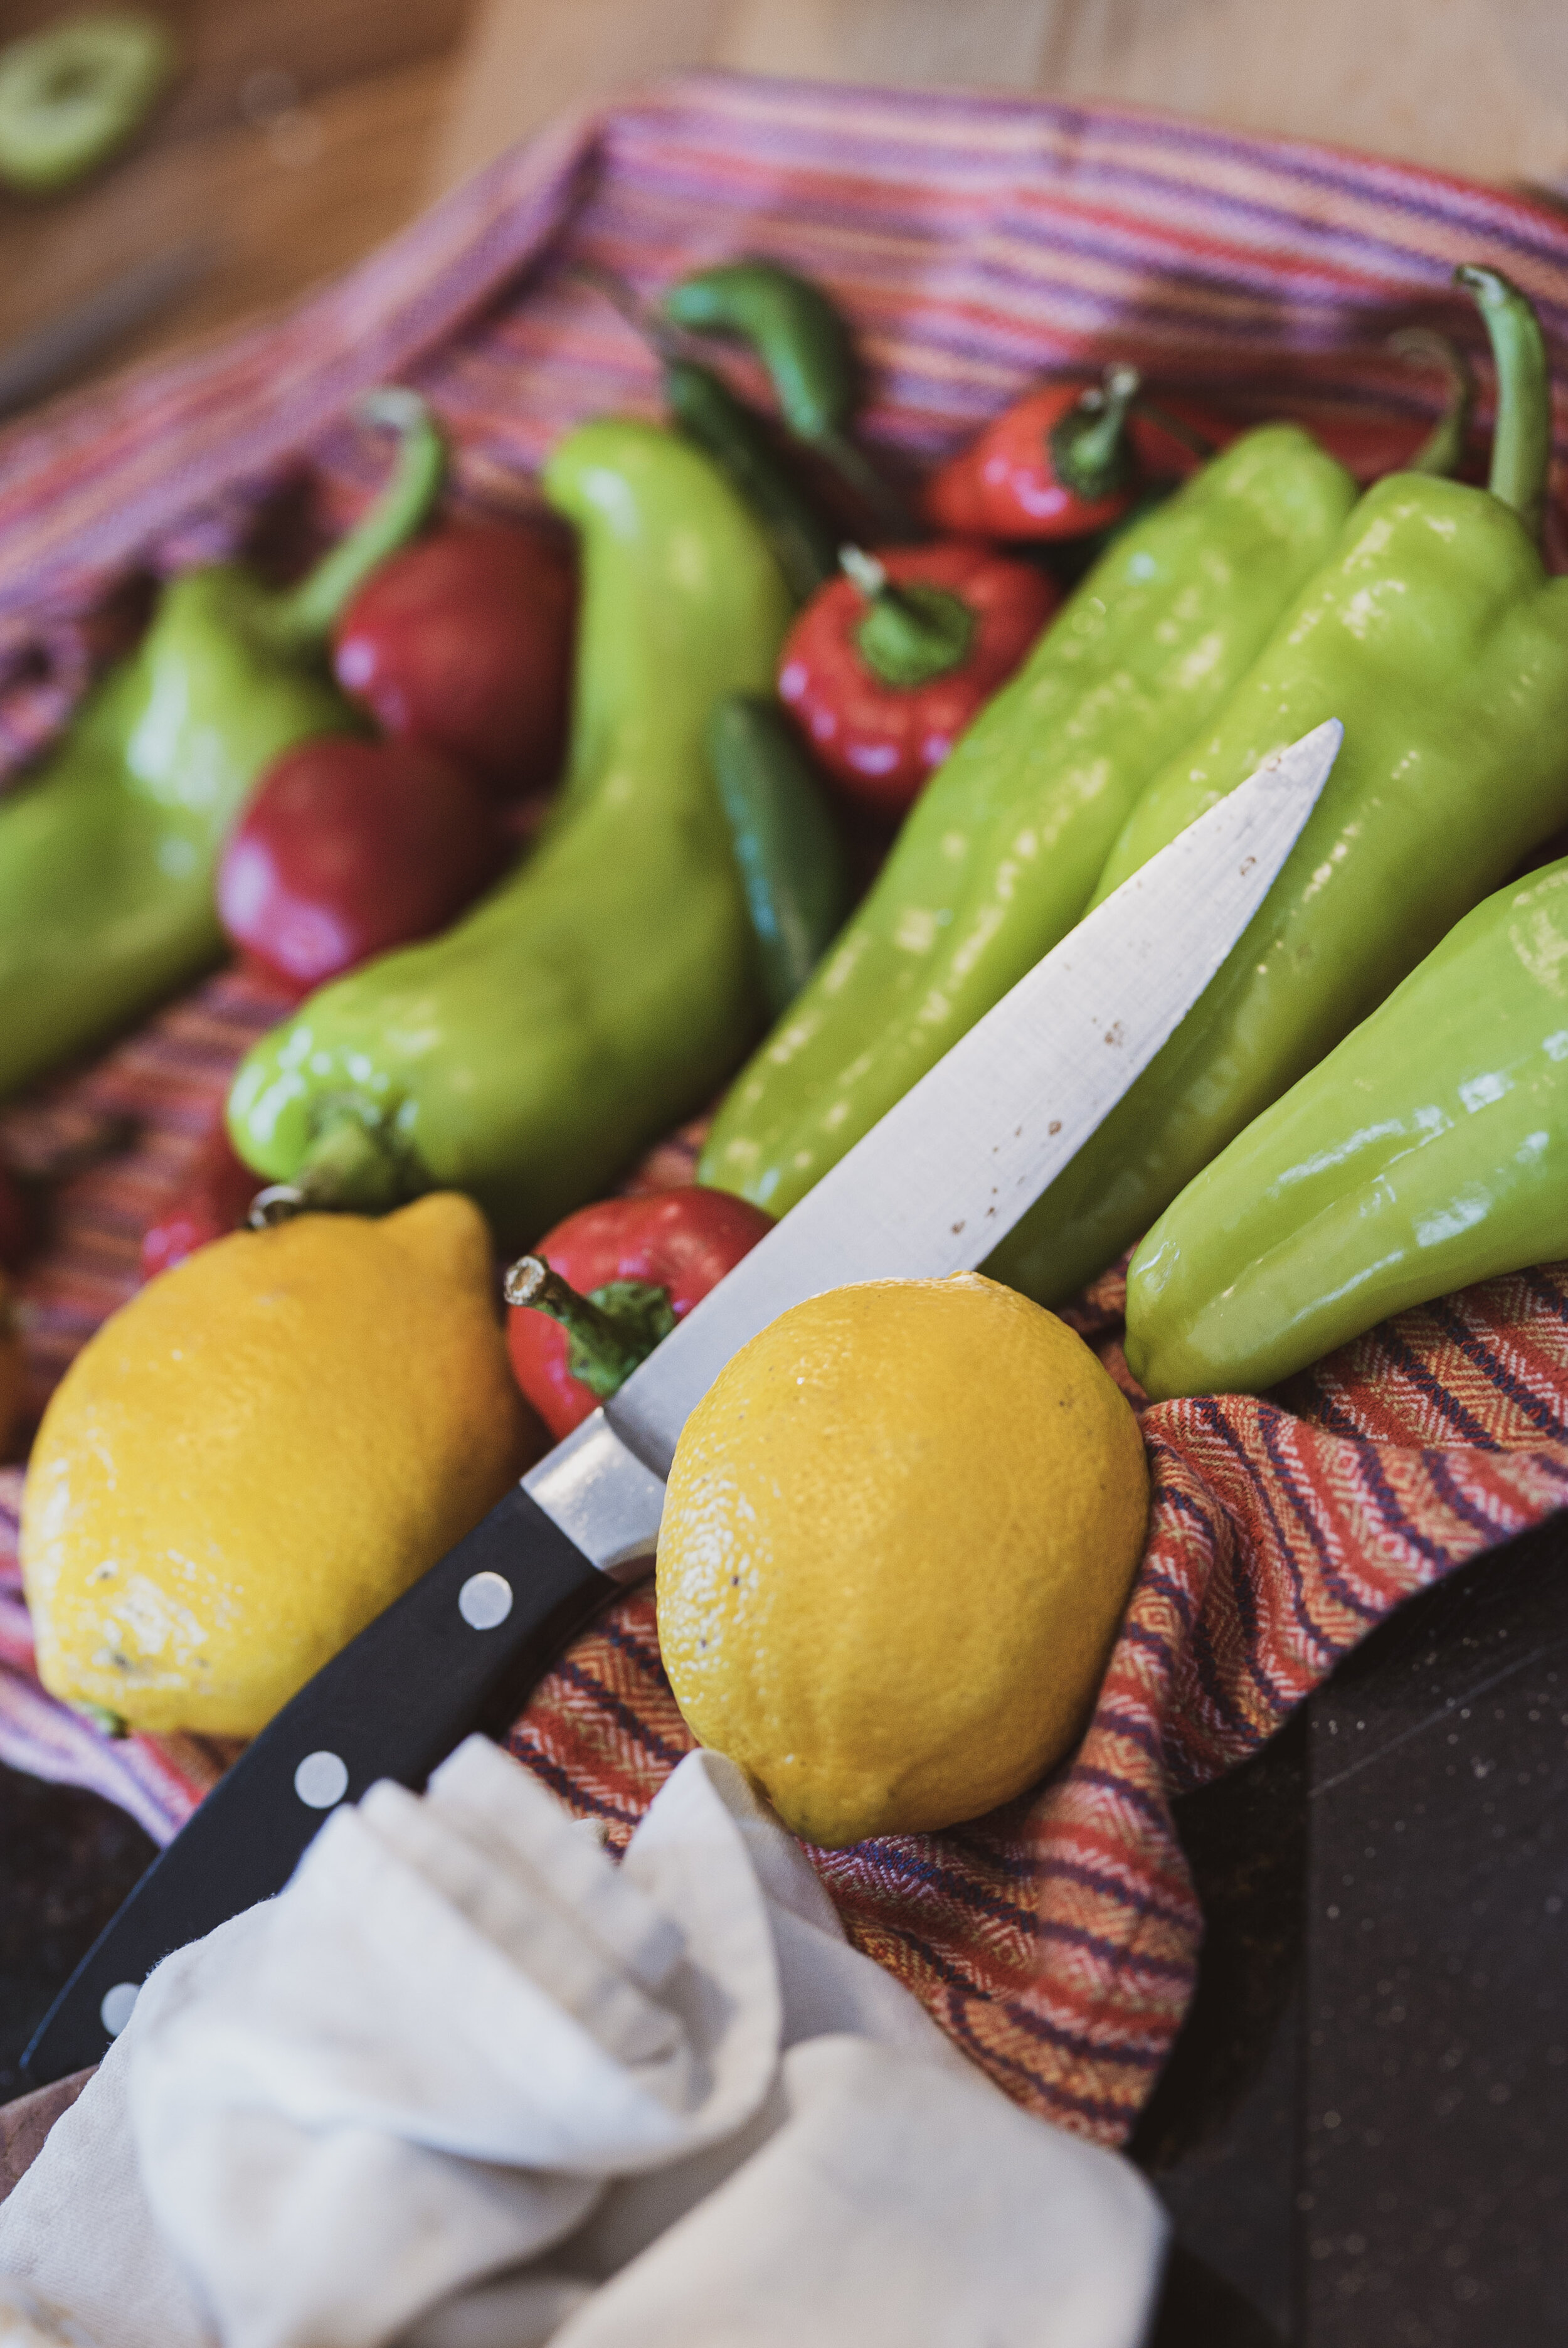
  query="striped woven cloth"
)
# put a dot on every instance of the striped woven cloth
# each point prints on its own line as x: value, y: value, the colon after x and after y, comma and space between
x: 974, y: 241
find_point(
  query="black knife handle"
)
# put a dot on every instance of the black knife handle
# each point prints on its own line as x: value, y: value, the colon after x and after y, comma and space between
x: 456, y: 1652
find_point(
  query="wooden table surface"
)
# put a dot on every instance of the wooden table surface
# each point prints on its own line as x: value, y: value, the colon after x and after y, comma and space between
x: 304, y: 131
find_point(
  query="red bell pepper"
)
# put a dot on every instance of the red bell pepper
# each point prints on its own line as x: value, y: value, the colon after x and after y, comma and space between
x: 347, y: 847
x: 883, y: 668
x: 213, y: 1200
x: 464, y: 641
x: 600, y: 1290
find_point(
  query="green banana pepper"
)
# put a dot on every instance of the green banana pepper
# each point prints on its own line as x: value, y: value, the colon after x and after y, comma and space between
x: 1428, y: 1150
x: 997, y: 859
x: 108, y: 849
x: 604, y: 989
x: 1436, y: 638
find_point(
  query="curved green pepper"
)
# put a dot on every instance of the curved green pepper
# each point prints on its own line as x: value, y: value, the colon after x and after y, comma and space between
x: 604, y: 989
x: 1429, y: 1150
x: 794, y: 328
x: 108, y: 851
x: 999, y: 855
x: 791, y: 858
x: 806, y: 348
x: 738, y: 441
x: 1435, y: 635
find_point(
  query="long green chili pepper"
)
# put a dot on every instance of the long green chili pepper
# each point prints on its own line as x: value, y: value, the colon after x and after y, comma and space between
x: 738, y: 441
x: 999, y: 855
x: 805, y: 346
x: 1434, y: 632
x: 1426, y: 1152
x: 792, y: 862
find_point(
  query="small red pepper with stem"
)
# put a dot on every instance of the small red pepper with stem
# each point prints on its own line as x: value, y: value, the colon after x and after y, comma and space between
x: 600, y: 1290
x: 347, y: 847
x: 1057, y: 464
x: 884, y: 667
x: 462, y: 641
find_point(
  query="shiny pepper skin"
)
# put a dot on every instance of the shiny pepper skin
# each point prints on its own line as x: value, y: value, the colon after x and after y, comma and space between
x: 881, y: 739
x: 603, y: 990
x: 463, y: 642
x: 679, y: 1242
x: 1429, y: 1150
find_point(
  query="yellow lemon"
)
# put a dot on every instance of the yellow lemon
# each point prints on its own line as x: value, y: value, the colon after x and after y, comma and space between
x: 899, y: 1533
x: 257, y: 1453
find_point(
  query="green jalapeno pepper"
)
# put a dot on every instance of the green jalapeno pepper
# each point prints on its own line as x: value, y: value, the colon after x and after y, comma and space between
x: 737, y: 438
x: 1436, y: 638
x: 791, y: 858
x: 108, y: 850
x: 604, y: 989
x: 1428, y: 1150
x: 805, y: 346
x: 998, y: 857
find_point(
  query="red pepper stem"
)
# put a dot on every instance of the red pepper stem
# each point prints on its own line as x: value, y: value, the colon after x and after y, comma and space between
x: 1443, y: 448
x: 307, y: 612
x: 1089, y: 447
x: 910, y: 633
x: 1522, y: 435
x: 607, y: 1345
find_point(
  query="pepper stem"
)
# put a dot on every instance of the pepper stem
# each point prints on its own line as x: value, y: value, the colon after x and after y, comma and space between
x: 307, y: 612
x: 1088, y: 452
x: 611, y: 1331
x: 1443, y: 448
x: 350, y: 1169
x: 1522, y: 436
x: 910, y: 633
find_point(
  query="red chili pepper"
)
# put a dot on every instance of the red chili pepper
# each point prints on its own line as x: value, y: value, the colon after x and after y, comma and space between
x: 464, y: 641
x: 213, y: 1200
x: 883, y: 668
x: 600, y: 1290
x: 1057, y: 464
x: 347, y: 847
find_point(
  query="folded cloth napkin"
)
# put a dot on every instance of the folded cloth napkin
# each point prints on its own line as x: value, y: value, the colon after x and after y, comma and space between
x: 468, y: 2083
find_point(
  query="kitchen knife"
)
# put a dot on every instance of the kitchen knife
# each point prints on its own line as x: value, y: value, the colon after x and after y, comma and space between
x: 930, y: 1190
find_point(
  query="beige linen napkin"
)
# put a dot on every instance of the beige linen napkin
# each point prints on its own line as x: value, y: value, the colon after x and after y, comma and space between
x: 467, y: 2084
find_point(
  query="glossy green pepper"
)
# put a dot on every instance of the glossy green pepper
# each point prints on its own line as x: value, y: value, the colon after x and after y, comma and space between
x: 1436, y: 638
x: 604, y: 989
x: 790, y: 859
x: 999, y: 855
x: 1428, y: 1150
x: 108, y: 849
x: 805, y: 346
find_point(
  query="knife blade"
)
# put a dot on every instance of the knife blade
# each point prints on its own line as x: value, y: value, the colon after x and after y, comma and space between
x: 932, y: 1188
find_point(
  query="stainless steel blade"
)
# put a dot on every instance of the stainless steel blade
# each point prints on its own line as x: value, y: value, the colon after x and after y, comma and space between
x: 946, y: 1174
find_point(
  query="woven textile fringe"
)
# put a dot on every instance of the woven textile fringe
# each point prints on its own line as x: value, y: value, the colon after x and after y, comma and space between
x: 974, y: 241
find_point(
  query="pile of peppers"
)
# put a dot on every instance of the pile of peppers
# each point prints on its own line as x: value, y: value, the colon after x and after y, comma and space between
x: 771, y: 675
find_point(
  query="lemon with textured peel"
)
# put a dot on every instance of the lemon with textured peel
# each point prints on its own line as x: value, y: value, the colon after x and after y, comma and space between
x: 899, y: 1532
x: 257, y: 1453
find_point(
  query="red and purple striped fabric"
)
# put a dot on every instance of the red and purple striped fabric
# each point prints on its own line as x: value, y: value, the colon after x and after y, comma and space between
x: 975, y: 241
